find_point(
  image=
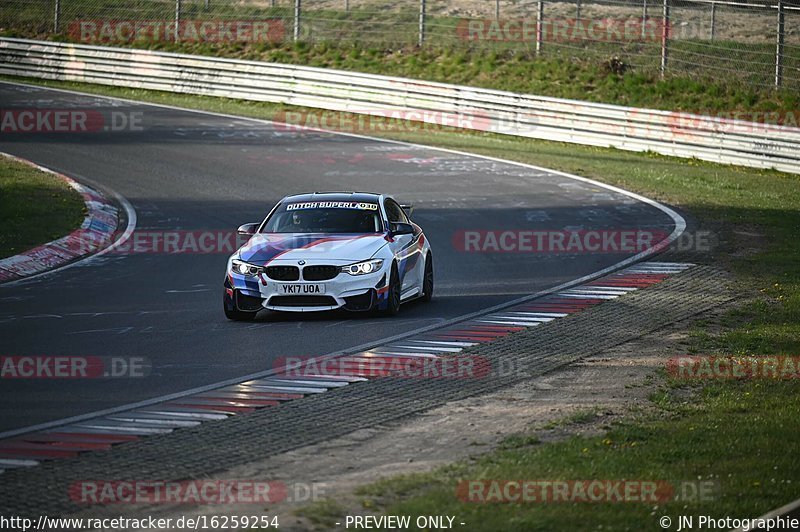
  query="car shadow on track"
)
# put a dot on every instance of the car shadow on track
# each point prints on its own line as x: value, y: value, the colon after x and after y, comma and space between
x: 406, y: 312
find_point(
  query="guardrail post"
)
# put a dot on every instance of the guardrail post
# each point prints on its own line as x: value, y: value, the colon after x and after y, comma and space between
x: 421, y: 22
x: 644, y: 19
x: 664, y: 37
x: 177, y: 20
x: 296, y: 20
x: 779, y: 45
x: 539, y: 25
x: 713, y: 20
x: 57, y: 16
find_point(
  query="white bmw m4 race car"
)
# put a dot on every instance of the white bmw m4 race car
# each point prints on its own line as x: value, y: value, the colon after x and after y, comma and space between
x: 325, y: 251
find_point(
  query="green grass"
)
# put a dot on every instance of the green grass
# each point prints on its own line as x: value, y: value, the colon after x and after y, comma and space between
x: 738, y: 434
x: 35, y: 207
x: 576, y: 418
x: 736, y: 438
x: 322, y: 513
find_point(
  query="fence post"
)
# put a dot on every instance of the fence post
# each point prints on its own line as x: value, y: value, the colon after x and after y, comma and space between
x: 421, y: 22
x: 779, y: 45
x: 713, y: 20
x: 347, y: 5
x: 497, y: 9
x: 57, y: 17
x: 208, y: 4
x: 664, y: 37
x: 177, y: 34
x: 644, y: 19
x: 539, y: 25
x: 577, y: 9
x: 296, y: 20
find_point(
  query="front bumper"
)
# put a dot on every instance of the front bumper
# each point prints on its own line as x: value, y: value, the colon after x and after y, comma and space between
x: 345, y: 291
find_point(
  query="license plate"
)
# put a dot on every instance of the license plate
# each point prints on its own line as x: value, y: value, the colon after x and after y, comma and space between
x: 303, y: 289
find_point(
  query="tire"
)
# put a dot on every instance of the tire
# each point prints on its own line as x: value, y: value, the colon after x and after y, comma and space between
x: 236, y: 315
x: 393, y: 294
x: 427, y: 279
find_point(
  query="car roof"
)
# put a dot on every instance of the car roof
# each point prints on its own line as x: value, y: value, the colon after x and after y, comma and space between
x: 369, y: 197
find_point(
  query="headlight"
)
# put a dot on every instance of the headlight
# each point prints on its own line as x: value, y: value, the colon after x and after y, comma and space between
x: 363, y: 268
x: 244, y: 268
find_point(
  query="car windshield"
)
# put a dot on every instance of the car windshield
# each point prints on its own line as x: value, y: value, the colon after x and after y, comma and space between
x: 325, y: 217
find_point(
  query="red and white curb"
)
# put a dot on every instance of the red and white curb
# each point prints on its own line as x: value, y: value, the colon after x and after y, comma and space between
x: 103, y: 432
x: 95, y: 233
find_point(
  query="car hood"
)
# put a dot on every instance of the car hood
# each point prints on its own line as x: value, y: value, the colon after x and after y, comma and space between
x: 263, y: 248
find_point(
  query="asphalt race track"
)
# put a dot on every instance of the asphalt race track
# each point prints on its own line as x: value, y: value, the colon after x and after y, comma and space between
x: 187, y: 171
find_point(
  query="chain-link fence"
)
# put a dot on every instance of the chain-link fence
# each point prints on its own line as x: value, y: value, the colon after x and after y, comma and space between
x: 755, y: 42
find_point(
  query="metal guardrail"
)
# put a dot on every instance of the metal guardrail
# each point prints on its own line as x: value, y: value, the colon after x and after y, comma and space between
x: 670, y: 133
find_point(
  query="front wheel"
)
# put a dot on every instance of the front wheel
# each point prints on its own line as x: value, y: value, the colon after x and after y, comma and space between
x: 238, y: 315
x: 229, y: 306
x: 393, y: 294
x: 427, y: 280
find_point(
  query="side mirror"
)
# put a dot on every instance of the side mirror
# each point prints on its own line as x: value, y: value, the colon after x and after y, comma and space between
x: 401, y: 228
x: 247, y: 229
x: 408, y: 208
